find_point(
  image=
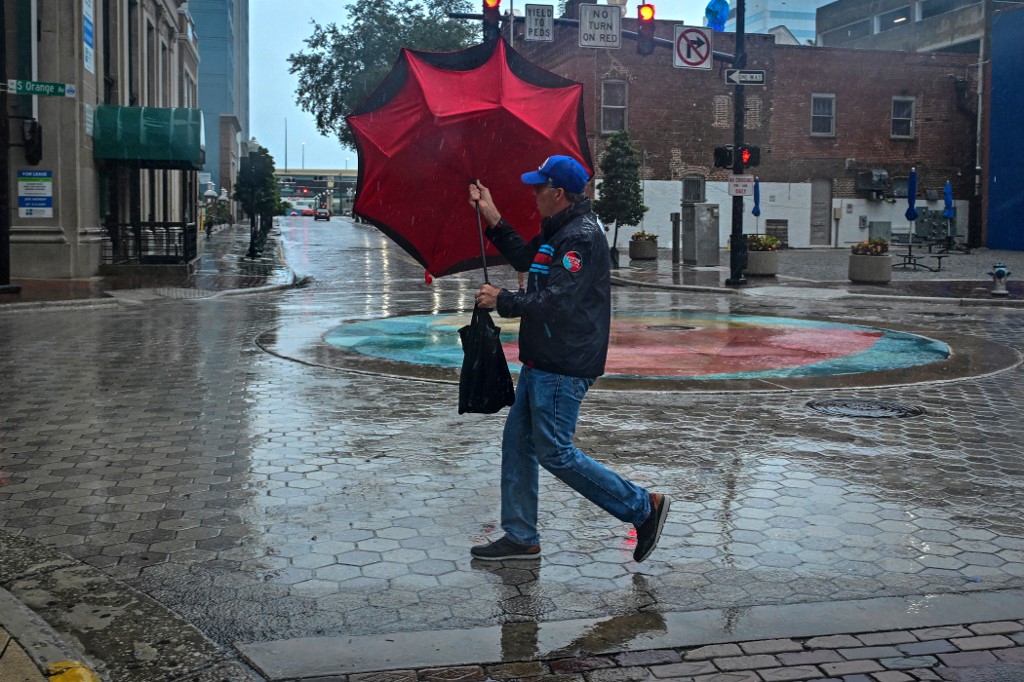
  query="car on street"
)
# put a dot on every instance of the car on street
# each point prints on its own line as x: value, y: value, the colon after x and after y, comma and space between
x: 321, y: 214
x: 307, y: 211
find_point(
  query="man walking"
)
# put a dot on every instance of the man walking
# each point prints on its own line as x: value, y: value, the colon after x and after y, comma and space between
x: 563, y: 345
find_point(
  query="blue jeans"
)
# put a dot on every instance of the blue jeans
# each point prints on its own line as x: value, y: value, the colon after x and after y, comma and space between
x: 539, y: 430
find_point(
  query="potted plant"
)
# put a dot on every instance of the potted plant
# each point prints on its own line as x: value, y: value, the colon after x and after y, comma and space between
x: 870, y: 262
x: 762, y: 255
x: 643, y: 246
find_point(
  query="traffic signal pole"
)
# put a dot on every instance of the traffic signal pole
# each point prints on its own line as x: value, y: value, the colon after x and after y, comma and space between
x: 737, y: 241
x: 5, y: 170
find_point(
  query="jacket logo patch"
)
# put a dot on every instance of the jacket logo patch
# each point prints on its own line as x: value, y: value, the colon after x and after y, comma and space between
x: 572, y: 261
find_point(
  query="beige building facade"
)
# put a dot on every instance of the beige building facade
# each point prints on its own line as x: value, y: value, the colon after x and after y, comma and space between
x: 126, y: 61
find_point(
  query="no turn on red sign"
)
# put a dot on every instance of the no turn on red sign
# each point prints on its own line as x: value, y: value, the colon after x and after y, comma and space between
x: 692, y: 48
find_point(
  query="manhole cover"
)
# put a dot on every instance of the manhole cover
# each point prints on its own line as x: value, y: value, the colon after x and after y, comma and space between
x: 864, y: 408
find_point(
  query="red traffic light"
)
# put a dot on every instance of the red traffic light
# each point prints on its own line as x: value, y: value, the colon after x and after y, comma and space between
x: 745, y: 155
x: 492, y: 17
x: 645, y: 29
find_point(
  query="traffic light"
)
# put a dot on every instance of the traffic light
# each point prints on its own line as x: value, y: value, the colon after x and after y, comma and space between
x: 492, y: 15
x: 32, y: 134
x: 645, y: 29
x: 750, y: 155
x: 305, y: 190
x: 723, y: 156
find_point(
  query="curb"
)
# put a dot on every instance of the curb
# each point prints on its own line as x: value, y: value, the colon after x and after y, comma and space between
x: 56, y: 658
x: 965, y: 302
x: 138, y: 638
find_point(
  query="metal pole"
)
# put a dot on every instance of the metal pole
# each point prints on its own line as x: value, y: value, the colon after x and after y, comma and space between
x: 675, y: 237
x: 738, y: 243
x: 5, y: 172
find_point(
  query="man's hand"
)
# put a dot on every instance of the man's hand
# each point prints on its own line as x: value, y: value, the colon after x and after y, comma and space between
x: 480, y: 194
x: 487, y: 297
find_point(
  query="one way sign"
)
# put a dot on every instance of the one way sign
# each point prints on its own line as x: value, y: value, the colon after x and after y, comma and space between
x: 744, y: 77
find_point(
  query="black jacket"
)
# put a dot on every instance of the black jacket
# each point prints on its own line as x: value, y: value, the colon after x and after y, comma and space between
x: 566, y: 308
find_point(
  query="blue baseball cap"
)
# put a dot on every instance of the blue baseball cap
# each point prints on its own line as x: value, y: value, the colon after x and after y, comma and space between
x: 563, y: 172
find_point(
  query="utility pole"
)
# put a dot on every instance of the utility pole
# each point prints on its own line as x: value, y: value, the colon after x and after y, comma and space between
x: 5, y: 171
x: 737, y: 241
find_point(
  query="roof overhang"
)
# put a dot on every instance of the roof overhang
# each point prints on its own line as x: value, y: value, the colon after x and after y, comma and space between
x: 151, y: 136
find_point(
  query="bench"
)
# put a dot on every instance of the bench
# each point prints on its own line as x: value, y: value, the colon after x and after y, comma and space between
x: 912, y: 260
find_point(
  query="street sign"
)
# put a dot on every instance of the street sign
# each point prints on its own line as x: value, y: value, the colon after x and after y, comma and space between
x: 43, y: 88
x: 540, y: 23
x: 744, y: 77
x: 741, y: 185
x: 692, y: 48
x: 600, y: 26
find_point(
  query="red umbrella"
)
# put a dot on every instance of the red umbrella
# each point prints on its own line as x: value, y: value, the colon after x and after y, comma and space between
x: 440, y: 120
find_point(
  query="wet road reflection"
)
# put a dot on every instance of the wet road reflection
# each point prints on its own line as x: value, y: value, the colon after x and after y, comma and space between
x: 265, y: 498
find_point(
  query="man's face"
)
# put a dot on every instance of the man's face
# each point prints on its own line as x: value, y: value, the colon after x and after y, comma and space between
x: 549, y: 199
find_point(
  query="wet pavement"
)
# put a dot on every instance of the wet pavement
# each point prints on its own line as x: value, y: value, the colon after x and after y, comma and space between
x: 185, y: 502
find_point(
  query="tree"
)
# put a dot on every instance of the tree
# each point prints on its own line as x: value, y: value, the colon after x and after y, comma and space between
x: 343, y: 64
x: 620, y: 201
x: 256, y: 189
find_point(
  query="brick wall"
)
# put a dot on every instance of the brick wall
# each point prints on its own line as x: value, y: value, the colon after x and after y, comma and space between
x: 679, y: 115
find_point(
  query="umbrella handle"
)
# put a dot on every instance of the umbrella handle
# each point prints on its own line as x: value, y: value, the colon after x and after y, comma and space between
x: 483, y: 252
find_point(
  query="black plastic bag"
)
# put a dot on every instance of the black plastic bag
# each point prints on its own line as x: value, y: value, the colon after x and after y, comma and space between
x: 485, y: 384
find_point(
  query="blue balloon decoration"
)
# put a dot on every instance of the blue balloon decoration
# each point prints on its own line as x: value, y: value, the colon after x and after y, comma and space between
x: 717, y: 14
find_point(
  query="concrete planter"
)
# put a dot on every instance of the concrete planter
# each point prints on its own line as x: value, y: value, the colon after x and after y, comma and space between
x: 870, y: 269
x: 643, y: 249
x: 762, y: 263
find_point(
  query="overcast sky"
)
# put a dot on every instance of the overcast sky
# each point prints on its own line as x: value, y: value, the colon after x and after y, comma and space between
x: 277, y: 28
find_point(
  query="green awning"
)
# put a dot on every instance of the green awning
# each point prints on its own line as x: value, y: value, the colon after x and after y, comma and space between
x: 155, y: 137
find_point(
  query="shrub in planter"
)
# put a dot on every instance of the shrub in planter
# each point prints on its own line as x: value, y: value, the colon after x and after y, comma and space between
x: 870, y: 262
x: 762, y: 255
x: 643, y: 246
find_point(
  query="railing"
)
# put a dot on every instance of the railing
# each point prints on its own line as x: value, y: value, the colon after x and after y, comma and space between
x: 150, y: 243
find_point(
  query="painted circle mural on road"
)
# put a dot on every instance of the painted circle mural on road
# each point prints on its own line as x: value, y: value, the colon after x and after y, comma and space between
x: 670, y: 345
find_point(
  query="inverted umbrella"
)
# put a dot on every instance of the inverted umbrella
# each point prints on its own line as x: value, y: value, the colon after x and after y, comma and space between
x: 440, y: 120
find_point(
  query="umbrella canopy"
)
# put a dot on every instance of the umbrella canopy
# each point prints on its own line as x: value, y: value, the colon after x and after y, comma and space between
x: 756, y: 211
x: 947, y: 195
x: 911, y: 213
x: 441, y: 120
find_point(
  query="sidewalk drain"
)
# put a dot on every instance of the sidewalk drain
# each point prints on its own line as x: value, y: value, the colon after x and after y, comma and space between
x: 864, y: 408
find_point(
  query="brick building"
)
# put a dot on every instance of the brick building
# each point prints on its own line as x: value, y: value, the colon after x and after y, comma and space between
x: 828, y: 122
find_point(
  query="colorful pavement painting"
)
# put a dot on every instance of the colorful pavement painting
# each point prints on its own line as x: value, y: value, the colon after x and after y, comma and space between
x: 670, y: 345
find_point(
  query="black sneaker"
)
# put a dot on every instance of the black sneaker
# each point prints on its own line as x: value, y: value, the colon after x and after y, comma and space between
x: 648, y: 532
x: 503, y: 549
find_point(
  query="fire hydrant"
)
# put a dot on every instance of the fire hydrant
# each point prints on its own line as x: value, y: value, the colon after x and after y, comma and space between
x: 1000, y: 273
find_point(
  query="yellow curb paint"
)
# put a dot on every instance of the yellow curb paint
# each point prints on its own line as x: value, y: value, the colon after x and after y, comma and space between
x: 70, y: 671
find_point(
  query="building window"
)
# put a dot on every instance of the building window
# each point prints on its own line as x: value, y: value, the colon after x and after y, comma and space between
x: 846, y: 34
x: 613, y: 106
x: 903, y: 117
x: 823, y: 115
x: 752, y: 113
x: 900, y: 188
x: 894, y: 19
x: 931, y: 8
x: 723, y: 112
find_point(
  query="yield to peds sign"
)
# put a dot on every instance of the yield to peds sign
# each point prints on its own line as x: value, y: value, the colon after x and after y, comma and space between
x: 692, y: 48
